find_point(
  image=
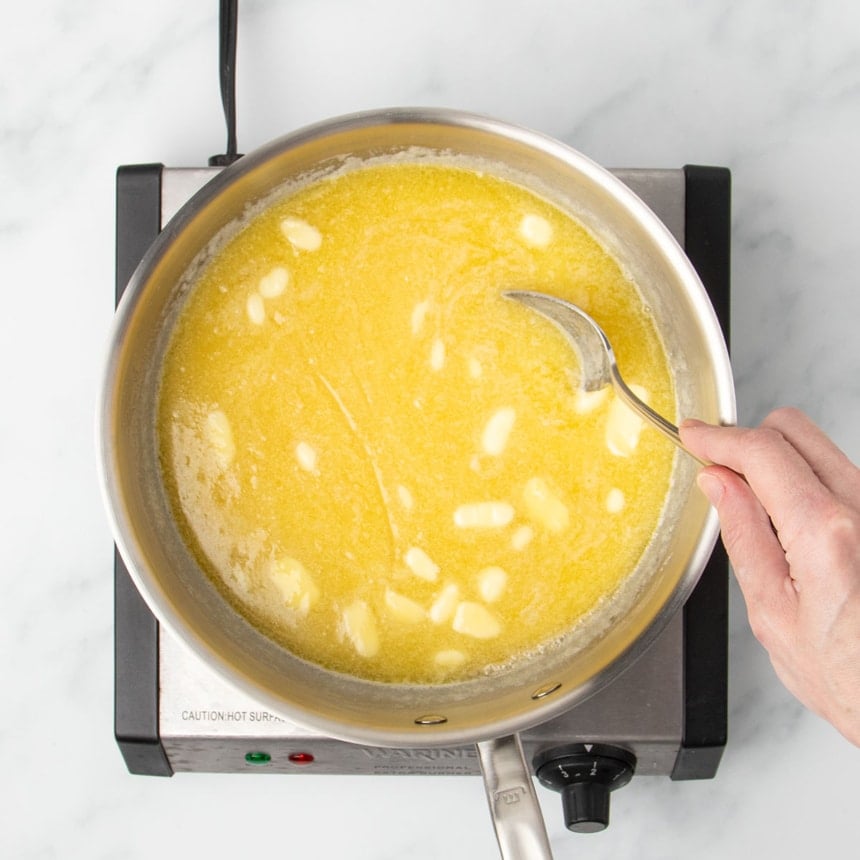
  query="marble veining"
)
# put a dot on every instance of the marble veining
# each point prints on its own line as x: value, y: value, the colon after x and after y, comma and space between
x: 770, y: 89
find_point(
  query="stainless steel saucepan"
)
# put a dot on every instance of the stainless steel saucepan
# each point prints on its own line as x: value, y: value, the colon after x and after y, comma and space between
x: 489, y: 712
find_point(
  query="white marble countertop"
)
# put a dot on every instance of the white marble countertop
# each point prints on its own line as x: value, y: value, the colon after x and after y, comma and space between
x: 770, y: 89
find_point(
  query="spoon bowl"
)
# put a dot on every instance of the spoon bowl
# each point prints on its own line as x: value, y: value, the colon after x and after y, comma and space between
x: 596, y: 356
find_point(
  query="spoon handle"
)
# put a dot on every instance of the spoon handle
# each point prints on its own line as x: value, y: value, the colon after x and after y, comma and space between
x: 653, y: 418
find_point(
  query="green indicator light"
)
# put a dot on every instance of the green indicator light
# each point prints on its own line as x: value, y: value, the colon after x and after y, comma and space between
x: 257, y: 758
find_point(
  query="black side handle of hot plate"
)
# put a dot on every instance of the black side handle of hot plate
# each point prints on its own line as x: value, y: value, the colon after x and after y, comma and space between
x: 585, y: 774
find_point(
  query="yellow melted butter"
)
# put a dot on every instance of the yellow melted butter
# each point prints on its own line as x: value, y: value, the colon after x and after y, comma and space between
x: 327, y: 448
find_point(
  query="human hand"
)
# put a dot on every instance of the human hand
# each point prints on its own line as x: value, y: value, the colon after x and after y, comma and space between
x: 789, y: 506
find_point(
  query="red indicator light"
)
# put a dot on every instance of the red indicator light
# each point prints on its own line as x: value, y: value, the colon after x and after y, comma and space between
x: 301, y: 758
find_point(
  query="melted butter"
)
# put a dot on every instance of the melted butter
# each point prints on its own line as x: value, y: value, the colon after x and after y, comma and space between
x: 380, y: 460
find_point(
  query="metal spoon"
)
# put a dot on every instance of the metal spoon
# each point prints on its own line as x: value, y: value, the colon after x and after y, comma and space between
x: 596, y: 355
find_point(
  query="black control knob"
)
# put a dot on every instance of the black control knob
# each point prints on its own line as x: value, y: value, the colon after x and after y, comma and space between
x: 585, y: 774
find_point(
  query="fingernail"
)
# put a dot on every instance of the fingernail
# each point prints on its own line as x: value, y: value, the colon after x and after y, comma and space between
x: 712, y: 487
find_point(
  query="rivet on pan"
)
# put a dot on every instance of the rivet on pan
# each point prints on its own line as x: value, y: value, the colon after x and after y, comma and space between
x: 546, y: 690
x: 430, y: 720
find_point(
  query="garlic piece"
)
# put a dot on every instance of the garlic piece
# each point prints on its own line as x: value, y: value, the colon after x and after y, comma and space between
x: 483, y: 515
x: 472, y: 619
x: 421, y: 564
x: 536, y: 231
x: 255, y: 309
x: 300, y: 234
x: 360, y: 628
x: 497, y: 430
x: 295, y: 584
x: 274, y: 283
x: 492, y: 582
x: 544, y: 506
x: 219, y: 435
x: 403, y: 608
x: 307, y: 457
x: 623, y: 425
x: 445, y: 604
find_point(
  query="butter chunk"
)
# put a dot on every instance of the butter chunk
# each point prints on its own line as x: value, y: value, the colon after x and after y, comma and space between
x: 497, y: 430
x: 274, y: 283
x: 307, y: 457
x: 360, y: 626
x: 445, y: 604
x: 255, y: 309
x: 419, y: 315
x: 300, y: 234
x: 483, y: 515
x: 585, y: 402
x: 437, y: 355
x: 403, y: 608
x: 544, y: 506
x: 473, y: 619
x: 492, y: 582
x: 536, y: 231
x: 219, y: 435
x: 405, y: 497
x: 522, y: 537
x: 421, y: 564
x: 623, y: 425
x: 615, y: 501
x: 296, y: 585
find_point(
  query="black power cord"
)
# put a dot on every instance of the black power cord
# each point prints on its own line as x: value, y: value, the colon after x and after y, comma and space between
x: 227, y: 61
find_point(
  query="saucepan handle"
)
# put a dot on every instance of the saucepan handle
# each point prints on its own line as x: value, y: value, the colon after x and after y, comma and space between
x: 514, y: 806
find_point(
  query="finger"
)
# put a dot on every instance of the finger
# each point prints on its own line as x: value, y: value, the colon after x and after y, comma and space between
x: 828, y: 462
x: 756, y: 554
x: 746, y: 528
x: 783, y: 480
